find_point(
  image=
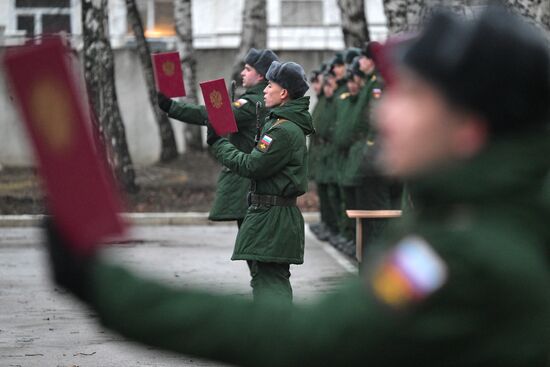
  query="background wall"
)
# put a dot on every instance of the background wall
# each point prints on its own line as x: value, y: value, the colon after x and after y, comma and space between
x: 141, y: 129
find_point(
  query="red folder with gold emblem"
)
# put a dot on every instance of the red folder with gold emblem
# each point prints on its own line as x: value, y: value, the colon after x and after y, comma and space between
x: 218, y: 106
x: 80, y: 192
x: 168, y: 74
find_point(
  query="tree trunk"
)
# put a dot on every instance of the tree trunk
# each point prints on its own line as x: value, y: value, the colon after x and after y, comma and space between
x: 100, y: 80
x: 406, y: 15
x: 184, y: 30
x: 253, y: 33
x: 169, y: 149
x: 396, y: 15
x: 536, y: 11
x: 354, y: 22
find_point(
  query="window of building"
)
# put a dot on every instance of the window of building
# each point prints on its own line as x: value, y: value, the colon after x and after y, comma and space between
x: 42, y: 3
x: 301, y: 13
x: 34, y: 17
x: 157, y: 17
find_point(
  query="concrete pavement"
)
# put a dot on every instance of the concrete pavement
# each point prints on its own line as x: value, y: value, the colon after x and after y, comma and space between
x: 41, y: 326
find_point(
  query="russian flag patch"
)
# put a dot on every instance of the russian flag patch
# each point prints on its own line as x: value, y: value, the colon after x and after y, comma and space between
x: 265, y: 143
x: 411, y: 272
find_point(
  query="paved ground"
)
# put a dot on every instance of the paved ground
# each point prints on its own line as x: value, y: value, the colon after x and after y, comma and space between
x: 41, y: 326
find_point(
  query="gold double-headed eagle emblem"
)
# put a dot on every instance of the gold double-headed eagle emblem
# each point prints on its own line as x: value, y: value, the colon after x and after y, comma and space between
x: 52, y: 113
x: 168, y: 68
x: 216, y: 99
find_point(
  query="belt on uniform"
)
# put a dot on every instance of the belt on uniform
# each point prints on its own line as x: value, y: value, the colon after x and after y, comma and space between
x: 273, y: 200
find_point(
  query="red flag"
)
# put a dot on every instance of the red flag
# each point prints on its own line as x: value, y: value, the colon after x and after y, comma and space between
x: 218, y: 107
x: 80, y: 191
x: 168, y: 74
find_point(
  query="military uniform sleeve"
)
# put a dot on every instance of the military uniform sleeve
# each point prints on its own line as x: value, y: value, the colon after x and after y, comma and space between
x: 260, y: 163
x: 244, y: 110
x: 189, y: 113
x: 341, y: 330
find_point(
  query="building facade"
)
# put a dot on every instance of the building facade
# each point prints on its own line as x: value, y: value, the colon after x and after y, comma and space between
x: 305, y: 31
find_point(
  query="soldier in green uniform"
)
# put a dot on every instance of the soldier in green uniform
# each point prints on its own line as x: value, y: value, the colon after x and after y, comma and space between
x: 347, y: 131
x: 272, y: 234
x: 334, y: 192
x: 463, y: 281
x: 231, y: 190
x: 324, y: 121
x: 316, y: 82
x: 372, y: 190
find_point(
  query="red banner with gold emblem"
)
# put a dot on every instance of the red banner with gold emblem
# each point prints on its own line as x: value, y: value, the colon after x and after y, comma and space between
x: 80, y: 192
x: 218, y: 107
x: 168, y: 74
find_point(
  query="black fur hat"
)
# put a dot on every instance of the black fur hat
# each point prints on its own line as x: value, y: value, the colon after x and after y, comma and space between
x: 496, y: 65
x: 260, y: 59
x: 350, y: 54
x: 290, y: 76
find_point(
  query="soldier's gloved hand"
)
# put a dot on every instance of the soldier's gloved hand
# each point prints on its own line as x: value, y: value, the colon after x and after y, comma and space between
x: 69, y: 270
x: 164, y: 102
x: 211, y: 136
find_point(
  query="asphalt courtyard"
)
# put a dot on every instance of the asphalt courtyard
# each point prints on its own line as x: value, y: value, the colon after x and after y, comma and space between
x: 41, y: 326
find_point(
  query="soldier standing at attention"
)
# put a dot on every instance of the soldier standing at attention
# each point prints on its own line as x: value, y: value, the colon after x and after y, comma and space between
x: 316, y: 82
x: 231, y: 190
x: 462, y: 281
x: 334, y: 193
x: 326, y: 172
x: 272, y: 234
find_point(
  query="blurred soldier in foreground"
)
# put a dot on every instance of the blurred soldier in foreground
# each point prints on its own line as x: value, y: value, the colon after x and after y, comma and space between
x: 231, y: 190
x: 463, y: 282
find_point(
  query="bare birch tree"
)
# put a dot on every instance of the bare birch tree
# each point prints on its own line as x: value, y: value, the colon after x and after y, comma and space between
x: 184, y: 29
x: 169, y: 150
x: 253, y: 32
x: 100, y: 81
x: 406, y: 15
x: 354, y: 22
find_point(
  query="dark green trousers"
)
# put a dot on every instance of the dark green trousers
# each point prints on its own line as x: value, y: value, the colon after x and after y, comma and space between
x: 336, y: 202
x: 374, y: 193
x: 328, y: 216
x: 270, y: 281
x: 351, y: 201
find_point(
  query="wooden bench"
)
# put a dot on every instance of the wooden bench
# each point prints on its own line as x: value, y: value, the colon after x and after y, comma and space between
x: 359, y: 216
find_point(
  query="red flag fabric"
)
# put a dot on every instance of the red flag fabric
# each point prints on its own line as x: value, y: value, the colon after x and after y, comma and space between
x: 218, y: 107
x: 80, y: 192
x: 168, y: 74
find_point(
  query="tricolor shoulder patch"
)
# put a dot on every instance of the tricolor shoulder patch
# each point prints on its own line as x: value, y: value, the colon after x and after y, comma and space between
x: 409, y: 274
x: 239, y: 103
x: 264, y: 143
x: 376, y: 93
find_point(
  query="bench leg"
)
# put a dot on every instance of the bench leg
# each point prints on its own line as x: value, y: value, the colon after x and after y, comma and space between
x: 359, y: 239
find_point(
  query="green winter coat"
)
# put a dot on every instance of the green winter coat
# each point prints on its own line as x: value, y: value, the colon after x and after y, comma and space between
x: 273, y: 233
x: 329, y: 153
x: 347, y: 127
x: 485, y: 222
x: 231, y: 190
x: 314, y: 139
x: 360, y: 135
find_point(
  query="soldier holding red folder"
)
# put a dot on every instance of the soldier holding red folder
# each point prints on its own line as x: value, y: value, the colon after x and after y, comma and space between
x: 463, y: 281
x: 272, y: 234
x: 230, y: 202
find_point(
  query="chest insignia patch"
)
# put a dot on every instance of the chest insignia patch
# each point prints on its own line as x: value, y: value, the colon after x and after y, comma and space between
x: 376, y: 93
x: 265, y: 143
x: 239, y: 103
x: 409, y: 274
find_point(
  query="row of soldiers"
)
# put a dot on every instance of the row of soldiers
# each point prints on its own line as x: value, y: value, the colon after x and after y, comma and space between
x: 342, y: 160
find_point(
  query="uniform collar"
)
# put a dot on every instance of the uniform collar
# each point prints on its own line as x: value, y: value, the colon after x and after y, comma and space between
x: 257, y: 89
